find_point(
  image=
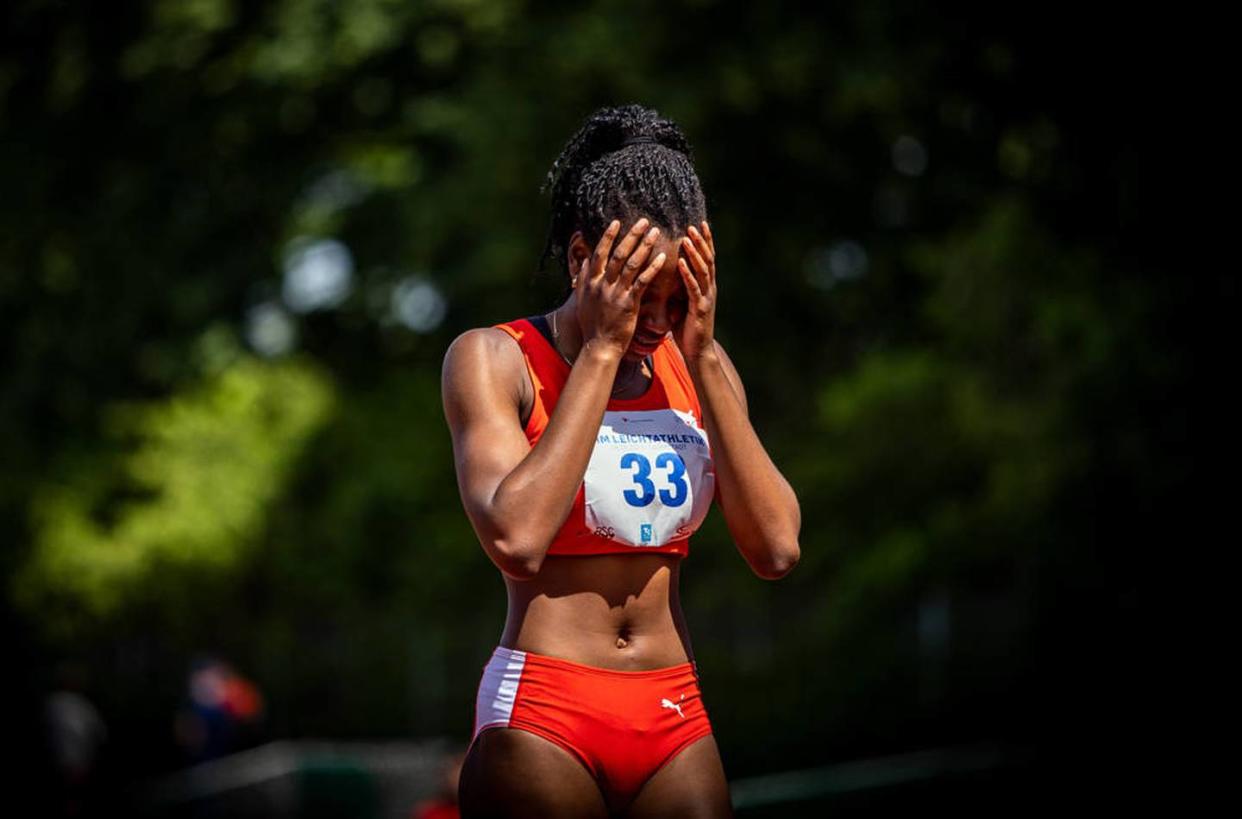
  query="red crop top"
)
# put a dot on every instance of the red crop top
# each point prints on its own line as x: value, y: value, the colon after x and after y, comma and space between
x: 650, y: 481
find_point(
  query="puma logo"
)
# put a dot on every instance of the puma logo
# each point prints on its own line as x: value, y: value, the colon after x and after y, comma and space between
x: 676, y: 706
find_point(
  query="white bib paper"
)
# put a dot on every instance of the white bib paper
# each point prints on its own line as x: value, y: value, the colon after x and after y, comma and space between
x: 650, y: 479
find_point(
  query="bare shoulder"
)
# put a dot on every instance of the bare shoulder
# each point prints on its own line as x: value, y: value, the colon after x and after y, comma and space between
x: 488, y: 346
x: 483, y: 364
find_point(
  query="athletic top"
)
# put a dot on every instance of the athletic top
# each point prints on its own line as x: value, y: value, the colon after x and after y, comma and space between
x: 650, y: 480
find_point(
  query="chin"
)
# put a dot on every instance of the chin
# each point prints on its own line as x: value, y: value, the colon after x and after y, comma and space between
x: 639, y: 353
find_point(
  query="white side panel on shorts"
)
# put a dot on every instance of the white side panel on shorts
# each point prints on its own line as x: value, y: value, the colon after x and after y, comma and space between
x: 498, y: 689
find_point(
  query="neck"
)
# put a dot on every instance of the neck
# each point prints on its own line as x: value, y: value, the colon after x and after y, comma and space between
x: 565, y: 330
x: 568, y: 338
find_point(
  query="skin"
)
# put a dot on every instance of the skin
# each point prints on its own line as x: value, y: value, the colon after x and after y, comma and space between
x: 610, y: 611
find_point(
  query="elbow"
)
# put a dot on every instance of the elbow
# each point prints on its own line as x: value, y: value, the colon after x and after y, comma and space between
x: 778, y: 561
x: 516, y: 561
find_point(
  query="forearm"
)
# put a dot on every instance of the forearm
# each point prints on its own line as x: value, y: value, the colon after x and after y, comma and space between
x: 532, y: 502
x: 759, y: 505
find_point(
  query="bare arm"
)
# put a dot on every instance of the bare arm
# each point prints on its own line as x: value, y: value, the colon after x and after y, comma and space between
x: 759, y: 506
x: 518, y: 496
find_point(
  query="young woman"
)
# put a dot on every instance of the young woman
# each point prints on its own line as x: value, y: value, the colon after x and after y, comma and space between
x: 589, y: 444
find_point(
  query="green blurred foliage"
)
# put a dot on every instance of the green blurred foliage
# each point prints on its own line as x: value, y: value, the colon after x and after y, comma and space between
x: 186, y: 486
x: 925, y: 225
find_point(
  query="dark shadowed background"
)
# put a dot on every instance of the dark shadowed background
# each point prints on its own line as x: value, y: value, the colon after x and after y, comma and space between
x: 236, y: 239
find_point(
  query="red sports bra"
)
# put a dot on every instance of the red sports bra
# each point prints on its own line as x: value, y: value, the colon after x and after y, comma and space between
x: 650, y: 481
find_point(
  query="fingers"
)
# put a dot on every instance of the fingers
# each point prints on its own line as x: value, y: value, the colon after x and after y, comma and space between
x: 599, y: 260
x: 634, y: 264
x: 653, y: 270
x: 698, y: 265
x: 624, y: 248
x: 623, y: 261
x: 693, y: 290
x: 701, y: 245
x: 711, y: 243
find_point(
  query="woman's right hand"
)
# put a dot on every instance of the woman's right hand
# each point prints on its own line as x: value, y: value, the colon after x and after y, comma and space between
x: 611, y: 282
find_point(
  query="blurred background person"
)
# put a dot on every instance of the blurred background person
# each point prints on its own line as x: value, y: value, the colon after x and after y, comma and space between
x: 223, y: 711
x: 76, y: 736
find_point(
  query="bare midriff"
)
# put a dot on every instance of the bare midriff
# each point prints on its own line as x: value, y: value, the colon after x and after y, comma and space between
x: 620, y: 612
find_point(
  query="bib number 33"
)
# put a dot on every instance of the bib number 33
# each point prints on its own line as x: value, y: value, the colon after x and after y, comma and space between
x: 676, y: 479
x: 650, y: 478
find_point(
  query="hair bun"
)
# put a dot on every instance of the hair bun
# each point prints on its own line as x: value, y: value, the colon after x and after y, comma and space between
x: 594, y: 178
x: 640, y: 140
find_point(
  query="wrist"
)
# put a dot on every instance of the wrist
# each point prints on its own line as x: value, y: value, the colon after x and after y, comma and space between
x: 705, y: 359
x: 602, y: 352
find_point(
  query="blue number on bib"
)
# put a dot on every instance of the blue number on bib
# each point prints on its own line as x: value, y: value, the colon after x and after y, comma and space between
x: 640, y: 477
x: 676, y: 477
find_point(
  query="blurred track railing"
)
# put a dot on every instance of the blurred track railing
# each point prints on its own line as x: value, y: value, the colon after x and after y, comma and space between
x: 303, y: 779
x: 385, y: 780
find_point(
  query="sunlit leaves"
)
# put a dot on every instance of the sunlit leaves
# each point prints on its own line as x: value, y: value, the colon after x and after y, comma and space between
x: 191, y: 487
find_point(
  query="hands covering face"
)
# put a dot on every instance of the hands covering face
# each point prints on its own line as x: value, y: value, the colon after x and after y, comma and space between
x: 610, y: 283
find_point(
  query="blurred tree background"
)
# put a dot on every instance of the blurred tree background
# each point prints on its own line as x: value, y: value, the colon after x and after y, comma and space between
x: 238, y: 237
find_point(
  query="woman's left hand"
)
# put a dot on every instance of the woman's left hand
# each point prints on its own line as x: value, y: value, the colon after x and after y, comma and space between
x: 697, y: 265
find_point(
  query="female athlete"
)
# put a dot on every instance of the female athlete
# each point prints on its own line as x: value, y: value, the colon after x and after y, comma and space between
x: 589, y: 444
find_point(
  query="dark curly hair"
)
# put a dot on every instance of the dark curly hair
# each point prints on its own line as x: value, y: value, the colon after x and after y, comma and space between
x: 623, y: 163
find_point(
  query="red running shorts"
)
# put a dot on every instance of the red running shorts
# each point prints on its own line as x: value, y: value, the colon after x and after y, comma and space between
x: 623, y: 726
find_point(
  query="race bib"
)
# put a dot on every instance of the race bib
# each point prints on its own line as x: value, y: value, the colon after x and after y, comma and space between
x: 650, y: 479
